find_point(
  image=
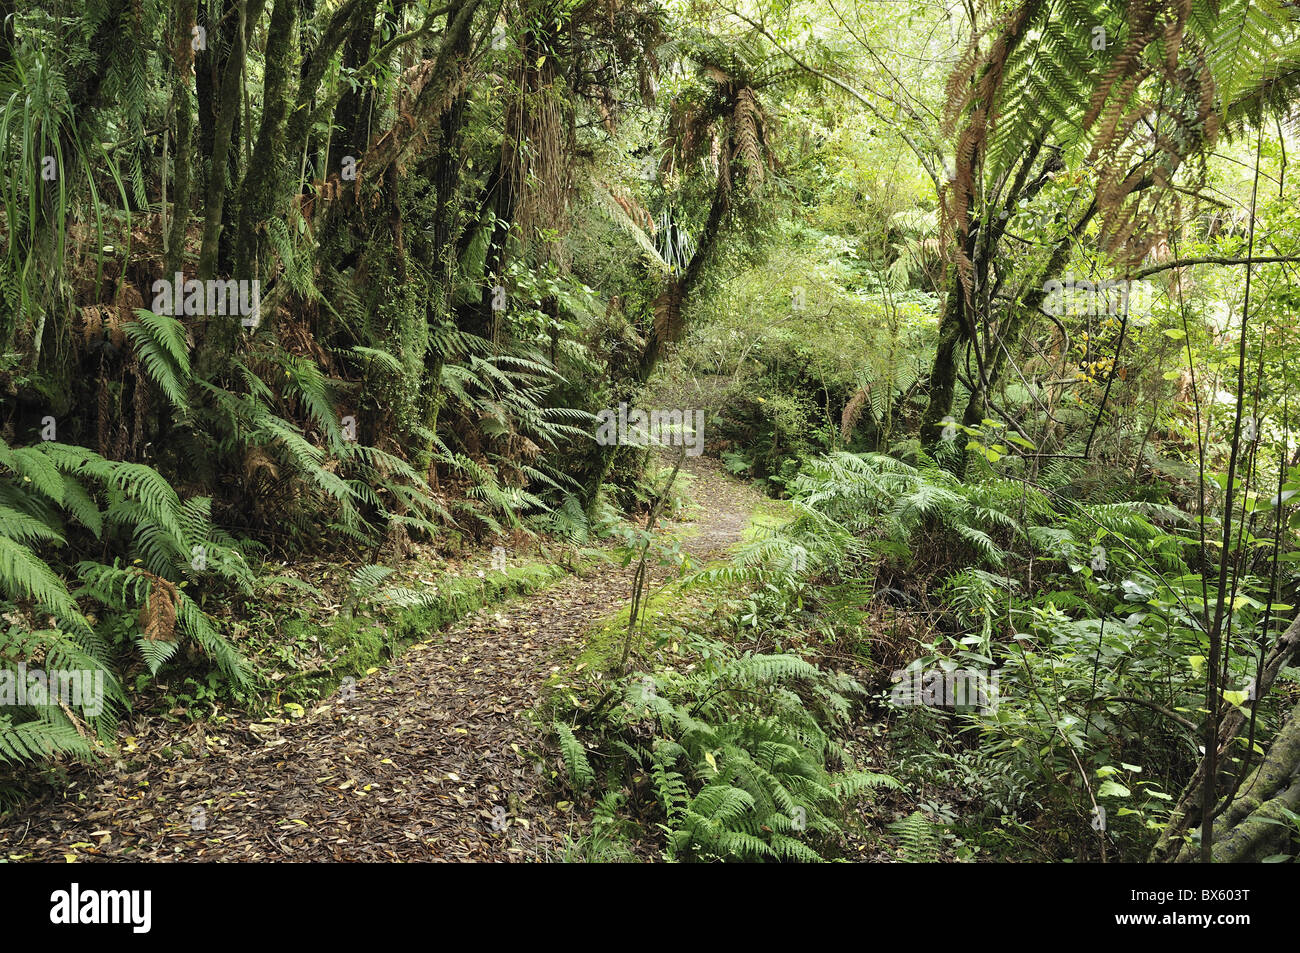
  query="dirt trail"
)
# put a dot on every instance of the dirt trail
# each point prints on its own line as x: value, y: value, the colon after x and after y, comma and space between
x: 425, y: 760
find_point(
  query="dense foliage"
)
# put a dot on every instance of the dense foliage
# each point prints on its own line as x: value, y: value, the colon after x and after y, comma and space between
x: 997, y: 300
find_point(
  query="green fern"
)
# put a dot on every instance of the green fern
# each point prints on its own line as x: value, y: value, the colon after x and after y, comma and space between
x: 918, y: 838
x: 742, y: 762
x: 40, y: 741
x: 575, y: 758
x: 159, y: 342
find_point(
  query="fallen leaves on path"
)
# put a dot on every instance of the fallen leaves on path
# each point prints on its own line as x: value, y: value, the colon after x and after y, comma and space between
x: 432, y: 758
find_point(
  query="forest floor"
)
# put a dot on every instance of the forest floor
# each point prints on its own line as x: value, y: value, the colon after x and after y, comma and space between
x: 437, y: 756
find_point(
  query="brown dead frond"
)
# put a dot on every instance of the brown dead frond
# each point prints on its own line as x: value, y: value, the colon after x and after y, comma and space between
x: 158, y: 612
x: 853, y: 412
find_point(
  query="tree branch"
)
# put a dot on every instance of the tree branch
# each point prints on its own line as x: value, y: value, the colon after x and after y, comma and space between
x: 926, y: 160
x: 1212, y: 260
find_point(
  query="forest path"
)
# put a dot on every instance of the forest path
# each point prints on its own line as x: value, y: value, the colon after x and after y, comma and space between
x: 432, y: 758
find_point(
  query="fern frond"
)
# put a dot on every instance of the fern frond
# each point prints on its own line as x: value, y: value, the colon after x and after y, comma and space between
x: 575, y: 758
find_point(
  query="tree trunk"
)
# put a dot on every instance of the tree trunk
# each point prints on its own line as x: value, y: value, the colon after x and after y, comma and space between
x: 262, y: 185
x: 943, y: 372
x: 227, y: 109
x: 1171, y: 846
x: 185, y: 13
x: 220, y: 336
x: 352, y: 129
x: 1256, y: 824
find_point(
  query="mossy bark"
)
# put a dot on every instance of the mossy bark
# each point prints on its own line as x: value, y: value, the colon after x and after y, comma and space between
x: 1256, y: 824
x: 226, y: 105
x: 185, y: 13
x: 263, y: 186
x: 445, y: 174
x: 222, y: 334
x: 351, y: 125
x: 1260, y: 824
x: 219, y: 85
x: 1171, y: 844
x: 348, y: 17
x: 943, y: 372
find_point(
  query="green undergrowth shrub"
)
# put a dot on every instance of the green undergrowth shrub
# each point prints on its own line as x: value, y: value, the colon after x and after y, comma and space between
x: 638, y: 478
x: 1090, y: 614
x: 728, y: 750
x: 570, y: 522
x: 108, y: 574
x: 736, y: 759
x: 100, y: 563
x: 381, y: 620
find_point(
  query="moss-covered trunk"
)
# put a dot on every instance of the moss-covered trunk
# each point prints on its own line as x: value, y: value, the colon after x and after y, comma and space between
x: 943, y: 371
x: 353, y: 112
x: 225, y: 112
x: 221, y: 335
x: 263, y: 185
x: 1256, y: 824
x: 185, y: 13
x: 445, y: 175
